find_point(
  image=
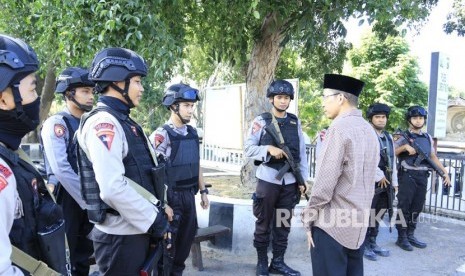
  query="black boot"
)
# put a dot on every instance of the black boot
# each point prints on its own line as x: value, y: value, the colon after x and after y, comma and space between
x: 262, y: 263
x: 376, y: 248
x: 277, y: 265
x: 402, y: 240
x: 413, y: 241
x: 368, y: 253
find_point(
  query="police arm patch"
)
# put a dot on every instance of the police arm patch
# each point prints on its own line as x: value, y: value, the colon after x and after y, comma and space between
x: 5, y: 171
x: 3, y: 183
x: 158, y: 139
x: 105, y: 133
x: 59, y: 130
x: 256, y: 127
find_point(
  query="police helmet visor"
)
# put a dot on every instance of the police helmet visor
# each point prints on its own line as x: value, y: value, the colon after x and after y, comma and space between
x: 418, y: 111
x: 190, y: 95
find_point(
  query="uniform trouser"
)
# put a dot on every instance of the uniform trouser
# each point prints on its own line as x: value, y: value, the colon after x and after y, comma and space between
x: 77, y: 227
x: 411, y: 196
x: 183, y: 227
x: 272, y: 207
x: 332, y: 259
x: 120, y: 255
x: 379, y: 205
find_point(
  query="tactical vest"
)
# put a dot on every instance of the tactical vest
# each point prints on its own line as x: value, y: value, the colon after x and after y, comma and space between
x: 386, y: 144
x: 423, y: 141
x: 182, y: 169
x: 137, y: 164
x: 289, y: 130
x: 23, y: 233
x: 72, y: 124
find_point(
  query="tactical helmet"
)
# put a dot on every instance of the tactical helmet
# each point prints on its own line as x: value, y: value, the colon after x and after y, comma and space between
x: 180, y: 93
x: 73, y: 77
x: 378, y: 108
x: 17, y: 60
x: 416, y: 111
x: 280, y: 87
x: 116, y: 64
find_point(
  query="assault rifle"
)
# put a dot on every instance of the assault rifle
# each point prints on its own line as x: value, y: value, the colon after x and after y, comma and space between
x: 289, y: 164
x: 388, y: 189
x: 422, y: 156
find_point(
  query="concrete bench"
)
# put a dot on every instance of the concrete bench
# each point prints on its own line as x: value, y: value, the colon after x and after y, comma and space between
x: 205, y: 234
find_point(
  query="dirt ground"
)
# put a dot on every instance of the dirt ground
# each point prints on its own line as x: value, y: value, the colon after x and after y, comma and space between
x: 228, y: 186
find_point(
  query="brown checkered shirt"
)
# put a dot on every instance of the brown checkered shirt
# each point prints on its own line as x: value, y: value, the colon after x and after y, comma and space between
x: 343, y: 189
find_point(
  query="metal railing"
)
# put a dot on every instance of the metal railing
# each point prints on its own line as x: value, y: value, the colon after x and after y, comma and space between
x: 447, y: 201
x: 439, y: 200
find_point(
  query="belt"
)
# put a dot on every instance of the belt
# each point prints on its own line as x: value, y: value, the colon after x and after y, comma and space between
x: 416, y: 172
x: 113, y: 212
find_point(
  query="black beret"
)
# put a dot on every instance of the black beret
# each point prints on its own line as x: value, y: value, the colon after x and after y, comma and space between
x: 343, y: 83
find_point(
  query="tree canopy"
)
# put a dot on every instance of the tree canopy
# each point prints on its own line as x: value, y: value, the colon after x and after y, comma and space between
x: 390, y: 74
x: 456, y: 19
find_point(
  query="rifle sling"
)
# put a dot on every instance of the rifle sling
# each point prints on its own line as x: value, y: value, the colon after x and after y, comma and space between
x: 30, y: 264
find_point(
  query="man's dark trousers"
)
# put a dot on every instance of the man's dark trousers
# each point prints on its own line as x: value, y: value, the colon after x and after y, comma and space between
x: 329, y: 258
x: 271, y: 200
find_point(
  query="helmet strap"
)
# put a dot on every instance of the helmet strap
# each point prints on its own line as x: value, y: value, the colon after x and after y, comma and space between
x: 124, y: 91
x: 176, y: 111
x: 20, y: 115
x: 412, y: 126
x: 83, y: 107
x: 278, y: 109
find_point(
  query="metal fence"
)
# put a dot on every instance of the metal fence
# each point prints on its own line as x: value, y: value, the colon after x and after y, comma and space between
x: 439, y: 200
x: 448, y: 201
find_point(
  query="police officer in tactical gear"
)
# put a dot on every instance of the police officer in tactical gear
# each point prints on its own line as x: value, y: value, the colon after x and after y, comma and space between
x: 20, y: 182
x: 178, y: 144
x: 115, y: 154
x: 413, y: 180
x: 271, y: 195
x: 59, y: 148
x: 378, y: 115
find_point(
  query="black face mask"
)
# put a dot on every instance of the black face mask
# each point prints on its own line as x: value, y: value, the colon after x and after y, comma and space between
x: 15, y: 125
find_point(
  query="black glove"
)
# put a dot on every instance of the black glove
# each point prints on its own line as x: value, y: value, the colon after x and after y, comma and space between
x: 159, y: 226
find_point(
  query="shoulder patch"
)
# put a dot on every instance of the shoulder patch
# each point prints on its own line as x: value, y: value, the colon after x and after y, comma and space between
x: 3, y: 183
x: 105, y: 132
x: 5, y: 171
x: 256, y: 127
x: 59, y: 130
x: 158, y: 139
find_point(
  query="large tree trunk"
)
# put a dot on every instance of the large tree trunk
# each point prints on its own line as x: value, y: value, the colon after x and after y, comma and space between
x: 46, y: 98
x: 262, y: 66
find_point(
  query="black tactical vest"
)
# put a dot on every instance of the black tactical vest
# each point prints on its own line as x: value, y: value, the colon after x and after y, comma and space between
x: 182, y: 169
x: 289, y: 130
x: 386, y: 150
x: 72, y: 124
x: 423, y: 141
x: 137, y: 164
x: 23, y: 233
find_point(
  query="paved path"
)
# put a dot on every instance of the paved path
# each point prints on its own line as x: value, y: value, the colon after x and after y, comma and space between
x: 445, y: 253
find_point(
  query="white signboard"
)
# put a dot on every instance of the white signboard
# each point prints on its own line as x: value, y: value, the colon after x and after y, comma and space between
x: 224, y: 114
x: 438, y: 95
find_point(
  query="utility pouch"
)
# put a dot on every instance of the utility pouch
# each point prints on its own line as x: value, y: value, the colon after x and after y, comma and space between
x: 159, y: 180
x: 52, y: 246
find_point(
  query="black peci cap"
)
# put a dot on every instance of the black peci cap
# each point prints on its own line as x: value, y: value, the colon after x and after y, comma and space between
x: 343, y: 83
